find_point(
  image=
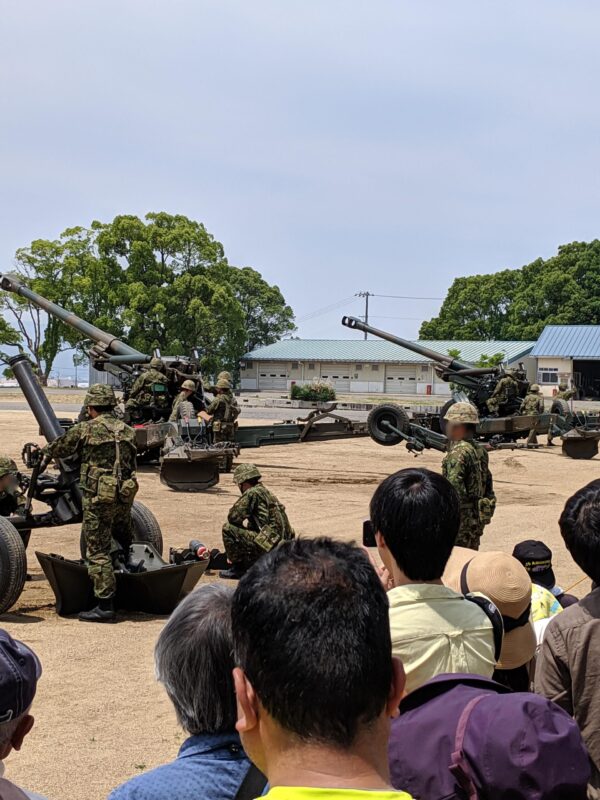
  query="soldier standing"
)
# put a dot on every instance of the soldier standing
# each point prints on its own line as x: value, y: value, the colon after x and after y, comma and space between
x: 222, y: 412
x: 506, y: 389
x: 564, y: 393
x: 106, y: 448
x: 256, y: 523
x: 466, y: 466
x: 187, y: 390
x: 12, y: 499
x: 533, y: 405
x: 149, y: 390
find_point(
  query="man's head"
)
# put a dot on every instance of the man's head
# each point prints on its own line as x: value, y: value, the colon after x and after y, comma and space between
x: 223, y: 385
x: 415, y: 514
x: 535, y: 388
x: 461, y: 419
x: 580, y: 528
x: 313, y: 650
x: 100, y: 397
x: 20, y: 670
x: 562, y: 386
x: 193, y: 658
x: 225, y: 376
x: 246, y: 475
x: 157, y: 363
x: 536, y: 557
x: 8, y: 473
x: 189, y: 387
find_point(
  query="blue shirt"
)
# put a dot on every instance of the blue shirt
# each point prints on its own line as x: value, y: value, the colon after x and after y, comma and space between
x: 208, y: 767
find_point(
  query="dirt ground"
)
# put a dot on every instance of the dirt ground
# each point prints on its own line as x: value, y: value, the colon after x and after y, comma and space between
x: 100, y: 716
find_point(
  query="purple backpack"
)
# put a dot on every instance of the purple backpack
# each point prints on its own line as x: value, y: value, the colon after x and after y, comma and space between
x: 465, y: 737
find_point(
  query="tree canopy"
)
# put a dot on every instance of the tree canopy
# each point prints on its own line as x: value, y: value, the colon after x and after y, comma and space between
x: 161, y: 282
x: 519, y: 303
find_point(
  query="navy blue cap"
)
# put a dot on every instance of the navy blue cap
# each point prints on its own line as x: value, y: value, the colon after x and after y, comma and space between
x: 20, y: 670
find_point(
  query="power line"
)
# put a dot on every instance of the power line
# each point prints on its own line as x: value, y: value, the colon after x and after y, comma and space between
x: 405, y: 297
x: 326, y: 309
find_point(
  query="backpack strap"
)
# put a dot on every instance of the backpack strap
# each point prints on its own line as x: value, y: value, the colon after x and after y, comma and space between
x: 458, y: 763
x: 252, y: 786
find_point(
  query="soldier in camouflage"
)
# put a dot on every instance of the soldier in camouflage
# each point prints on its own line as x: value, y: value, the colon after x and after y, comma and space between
x: 187, y: 390
x: 466, y: 466
x: 256, y: 523
x: 106, y: 448
x: 564, y: 393
x: 149, y: 391
x: 532, y: 406
x: 222, y: 412
x: 506, y: 389
x: 12, y: 499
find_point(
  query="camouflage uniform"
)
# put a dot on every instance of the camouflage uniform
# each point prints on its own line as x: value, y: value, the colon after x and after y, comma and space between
x: 12, y: 499
x: 183, y: 396
x: 224, y: 411
x: 566, y: 394
x: 466, y: 466
x: 143, y: 393
x: 506, y: 388
x: 532, y: 405
x: 107, y: 495
x: 267, y: 522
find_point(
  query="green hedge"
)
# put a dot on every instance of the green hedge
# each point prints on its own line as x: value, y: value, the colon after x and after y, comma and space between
x: 317, y: 390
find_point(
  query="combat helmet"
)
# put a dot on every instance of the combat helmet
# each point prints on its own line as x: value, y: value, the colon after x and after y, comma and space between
x: 189, y: 385
x: 462, y: 414
x: 535, y: 388
x: 157, y: 363
x: 563, y: 386
x: 223, y: 383
x: 245, y: 472
x: 227, y: 376
x: 7, y: 466
x: 100, y: 394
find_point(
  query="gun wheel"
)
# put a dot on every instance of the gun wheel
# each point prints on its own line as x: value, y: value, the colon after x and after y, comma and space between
x: 13, y: 565
x: 561, y: 407
x: 145, y: 528
x: 380, y: 417
x: 580, y: 447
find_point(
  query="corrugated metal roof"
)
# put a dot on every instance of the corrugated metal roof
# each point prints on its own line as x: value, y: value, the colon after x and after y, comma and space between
x: 359, y: 350
x: 569, y: 341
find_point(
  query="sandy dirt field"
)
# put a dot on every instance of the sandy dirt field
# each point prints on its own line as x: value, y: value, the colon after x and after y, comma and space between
x: 100, y: 716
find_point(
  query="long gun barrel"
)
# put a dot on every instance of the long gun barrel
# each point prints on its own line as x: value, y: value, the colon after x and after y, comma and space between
x: 107, y: 343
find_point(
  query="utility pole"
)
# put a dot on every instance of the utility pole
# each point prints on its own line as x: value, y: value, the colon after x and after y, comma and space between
x: 366, y: 295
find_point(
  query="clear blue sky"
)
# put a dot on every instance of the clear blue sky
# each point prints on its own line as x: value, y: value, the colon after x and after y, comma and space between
x: 334, y: 146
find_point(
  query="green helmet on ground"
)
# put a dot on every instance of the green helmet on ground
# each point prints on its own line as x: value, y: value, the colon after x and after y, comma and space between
x: 7, y: 466
x: 225, y: 376
x: 157, y: 363
x: 222, y: 383
x: 189, y: 385
x: 245, y: 472
x: 535, y: 388
x: 100, y: 394
x: 462, y: 414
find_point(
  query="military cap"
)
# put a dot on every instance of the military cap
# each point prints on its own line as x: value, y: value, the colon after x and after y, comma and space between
x: 7, y: 466
x: 227, y: 376
x: 222, y: 383
x: 189, y: 385
x: 245, y: 472
x: 462, y: 413
x: 157, y: 363
x: 535, y: 388
x: 100, y: 394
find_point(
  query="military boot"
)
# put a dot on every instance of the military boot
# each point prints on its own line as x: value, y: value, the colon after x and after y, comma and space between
x: 103, y: 612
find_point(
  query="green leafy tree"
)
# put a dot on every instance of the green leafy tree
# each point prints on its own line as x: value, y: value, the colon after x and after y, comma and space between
x: 490, y: 361
x: 162, y: 282
x: 519, y: 303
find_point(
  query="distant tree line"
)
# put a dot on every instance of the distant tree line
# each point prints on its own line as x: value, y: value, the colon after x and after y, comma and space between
x: 161, y: 282
x: 519, y: 303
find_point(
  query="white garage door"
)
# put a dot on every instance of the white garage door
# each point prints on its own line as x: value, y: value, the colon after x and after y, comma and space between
x: 338, y: 375
x: 272, y: 379
x: 401, y: 379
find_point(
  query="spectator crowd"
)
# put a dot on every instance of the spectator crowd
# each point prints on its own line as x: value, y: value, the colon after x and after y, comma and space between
x: 430, y: 672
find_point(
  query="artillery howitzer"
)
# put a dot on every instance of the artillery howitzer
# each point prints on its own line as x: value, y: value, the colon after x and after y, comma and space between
x: 59, y: 492
x: 389, y: 424
x: 189, y: 465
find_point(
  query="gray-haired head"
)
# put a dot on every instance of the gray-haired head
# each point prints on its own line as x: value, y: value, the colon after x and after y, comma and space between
x: 194, y: 661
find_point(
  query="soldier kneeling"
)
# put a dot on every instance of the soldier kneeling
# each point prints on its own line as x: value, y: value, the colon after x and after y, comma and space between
x: 256, y: 523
